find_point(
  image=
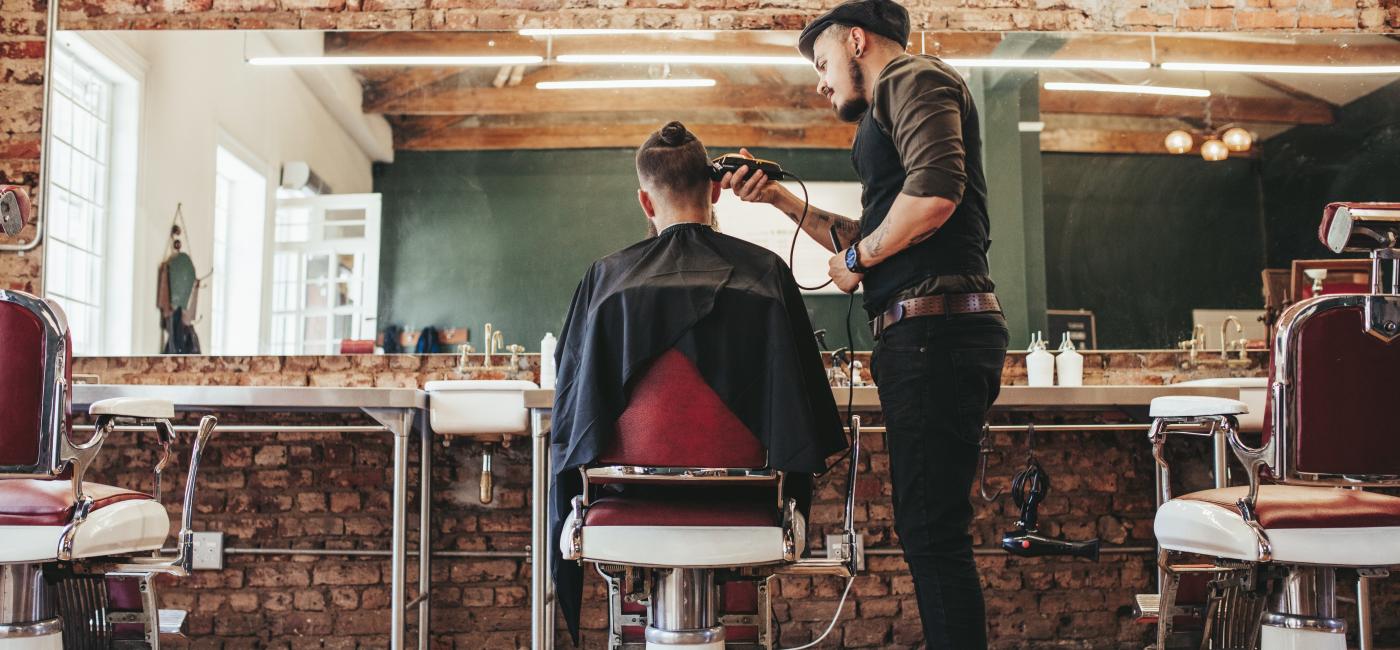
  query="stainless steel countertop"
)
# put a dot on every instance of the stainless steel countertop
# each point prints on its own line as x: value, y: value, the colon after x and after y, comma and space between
x: 289, y: 398
x: 1071, y: 397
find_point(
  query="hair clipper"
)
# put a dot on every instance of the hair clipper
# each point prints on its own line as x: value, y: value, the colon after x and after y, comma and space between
x: 731, y: 162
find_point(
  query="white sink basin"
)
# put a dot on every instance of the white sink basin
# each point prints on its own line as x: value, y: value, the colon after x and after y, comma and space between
x: 1254, y: 392
x: 461, y: 407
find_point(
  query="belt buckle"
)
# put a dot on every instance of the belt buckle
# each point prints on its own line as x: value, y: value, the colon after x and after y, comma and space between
x: 896, y: 312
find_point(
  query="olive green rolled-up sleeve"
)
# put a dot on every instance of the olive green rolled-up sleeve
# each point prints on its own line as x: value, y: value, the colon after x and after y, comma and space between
x: 921, y: 108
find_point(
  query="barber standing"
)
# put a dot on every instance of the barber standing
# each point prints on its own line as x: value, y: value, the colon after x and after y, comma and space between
x: 920, y: 251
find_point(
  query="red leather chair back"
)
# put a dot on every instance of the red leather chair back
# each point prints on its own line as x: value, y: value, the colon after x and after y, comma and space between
x: 21, y: 384
x: 34, y: 353
x: 1346, y: 384
x: 674, y: 419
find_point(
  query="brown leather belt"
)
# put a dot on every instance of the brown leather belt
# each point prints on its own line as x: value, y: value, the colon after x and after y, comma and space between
x: 948, y: 303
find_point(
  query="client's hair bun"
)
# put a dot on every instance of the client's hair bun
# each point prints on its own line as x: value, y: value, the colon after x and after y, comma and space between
x: 675, y: 134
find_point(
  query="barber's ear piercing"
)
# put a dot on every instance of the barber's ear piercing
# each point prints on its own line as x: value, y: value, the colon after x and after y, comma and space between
x: 857, y: 51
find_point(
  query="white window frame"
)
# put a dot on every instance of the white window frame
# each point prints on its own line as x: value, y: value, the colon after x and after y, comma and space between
x: 244, y: 271
x: 363, y: 316
x: 109, y: 329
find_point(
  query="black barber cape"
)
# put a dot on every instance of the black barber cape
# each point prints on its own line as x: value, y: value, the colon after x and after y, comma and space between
x: 734, y: 310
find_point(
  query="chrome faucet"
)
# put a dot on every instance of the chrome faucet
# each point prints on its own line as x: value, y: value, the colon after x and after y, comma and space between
x: 1224, y: 342
x: 466, y: 349
x: 494, y: 342
x: 1196, y: 342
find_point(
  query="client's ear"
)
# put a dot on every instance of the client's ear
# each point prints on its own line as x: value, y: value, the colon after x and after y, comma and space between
x: 714, y: 191
x: 647, y: 207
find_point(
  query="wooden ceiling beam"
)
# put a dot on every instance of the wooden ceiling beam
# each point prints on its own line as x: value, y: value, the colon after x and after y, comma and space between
x: 586, y: 136
x: 1222, y: 109
x: 1226, y: 49
x: 527, y: 99
x: 1120, y: 142
x: 1289, y: 89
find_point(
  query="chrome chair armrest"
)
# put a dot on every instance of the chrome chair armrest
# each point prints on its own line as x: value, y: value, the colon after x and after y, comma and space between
x: 1186, y: 407
x: 1184, y: 421
x: 144, y: 409
x: 181, y: 563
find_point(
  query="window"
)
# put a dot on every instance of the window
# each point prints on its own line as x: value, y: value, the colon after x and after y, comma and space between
x: 240, y: 210
x: 91, y: 189
x: 325, y: 272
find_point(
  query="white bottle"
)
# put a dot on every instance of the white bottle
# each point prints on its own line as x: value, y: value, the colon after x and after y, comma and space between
x: 547, y: 360
x: 1040, y: 364
x: 1069, y: 364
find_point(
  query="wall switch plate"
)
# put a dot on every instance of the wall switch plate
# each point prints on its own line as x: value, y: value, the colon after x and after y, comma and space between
x: 833, y: 542
x: 208, y: 551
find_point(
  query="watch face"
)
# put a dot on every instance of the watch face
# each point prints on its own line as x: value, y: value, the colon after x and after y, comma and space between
x: 851, y: 259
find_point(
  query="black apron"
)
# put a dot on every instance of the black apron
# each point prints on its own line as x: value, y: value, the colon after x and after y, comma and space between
x: 960, y: 245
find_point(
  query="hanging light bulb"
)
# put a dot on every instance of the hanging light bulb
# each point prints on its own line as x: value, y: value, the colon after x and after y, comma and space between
x: 1179, y: 141
x: 1214, y: 150
x: 1237, y: 139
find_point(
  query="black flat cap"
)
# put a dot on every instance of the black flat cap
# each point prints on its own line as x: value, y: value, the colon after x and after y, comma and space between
x: 884, y: 17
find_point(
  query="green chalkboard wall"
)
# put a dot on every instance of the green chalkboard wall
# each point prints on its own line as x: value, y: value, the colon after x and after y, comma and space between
x: 1142, y: 240
x: 1307, y: 167
x: 503, y: 237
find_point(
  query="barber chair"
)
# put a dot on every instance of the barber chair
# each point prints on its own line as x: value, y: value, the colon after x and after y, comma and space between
x: 78, y: 560
x: 690, y: 543
x: 1274, y: 546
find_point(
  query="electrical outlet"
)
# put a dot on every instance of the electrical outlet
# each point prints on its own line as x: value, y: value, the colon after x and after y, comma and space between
x: 833, y: 543
x: 208, y: 551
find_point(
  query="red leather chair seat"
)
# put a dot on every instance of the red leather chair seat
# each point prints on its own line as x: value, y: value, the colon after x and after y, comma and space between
x: 655, y: 511
x: 1283, y: 507
x: 36, y: 502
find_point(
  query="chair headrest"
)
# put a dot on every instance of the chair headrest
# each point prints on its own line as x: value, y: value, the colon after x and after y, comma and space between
x: 1360, y: 227
x: 14, y: 209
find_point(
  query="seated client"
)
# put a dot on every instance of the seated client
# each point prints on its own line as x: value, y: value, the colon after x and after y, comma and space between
x: 730, y: 308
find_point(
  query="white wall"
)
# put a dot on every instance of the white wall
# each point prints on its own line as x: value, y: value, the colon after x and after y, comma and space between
x: 197, y: 86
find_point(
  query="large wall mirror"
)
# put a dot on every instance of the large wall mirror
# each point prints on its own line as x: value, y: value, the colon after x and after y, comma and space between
x: 302, y: 192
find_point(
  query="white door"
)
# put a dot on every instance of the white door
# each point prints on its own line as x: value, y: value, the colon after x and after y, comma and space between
x: 325, y: 273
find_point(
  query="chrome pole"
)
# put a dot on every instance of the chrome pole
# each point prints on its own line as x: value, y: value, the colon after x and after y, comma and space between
x: 1364, y: 627
x: 425, y: 533
x: 1221, y: 459
x: 540, y: 609
x: 398, y: 559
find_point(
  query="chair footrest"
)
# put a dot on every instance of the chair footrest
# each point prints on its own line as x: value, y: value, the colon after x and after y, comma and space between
x: 1147, y: 607
x: 172, y: 621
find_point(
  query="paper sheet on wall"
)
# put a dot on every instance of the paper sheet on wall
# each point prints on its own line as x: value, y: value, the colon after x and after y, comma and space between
x: 762, y: 224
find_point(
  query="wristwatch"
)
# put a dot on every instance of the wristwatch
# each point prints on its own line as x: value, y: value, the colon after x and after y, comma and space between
x: 853, y: 259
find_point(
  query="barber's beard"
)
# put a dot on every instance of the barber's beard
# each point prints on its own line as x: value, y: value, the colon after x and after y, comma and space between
x: 852, y: 109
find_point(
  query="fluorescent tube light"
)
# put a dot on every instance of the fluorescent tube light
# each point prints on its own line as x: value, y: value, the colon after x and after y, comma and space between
x: 394, y: 60
x: 1050, y: 64
x: 700, y: 59
x: 625, y: 83
x: 1128, y: 89
x: 1262, y: 68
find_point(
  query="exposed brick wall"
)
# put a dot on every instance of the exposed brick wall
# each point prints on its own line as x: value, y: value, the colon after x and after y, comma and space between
x: 330, y: 491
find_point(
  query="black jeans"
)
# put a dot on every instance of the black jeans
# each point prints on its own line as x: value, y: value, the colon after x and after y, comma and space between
x: 937, y: 377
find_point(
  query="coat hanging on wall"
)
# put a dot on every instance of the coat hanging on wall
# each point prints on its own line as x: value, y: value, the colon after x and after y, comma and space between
x: 177, y: 293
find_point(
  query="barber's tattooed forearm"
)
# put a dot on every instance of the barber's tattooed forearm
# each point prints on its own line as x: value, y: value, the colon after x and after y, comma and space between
x: 876, y: 242
x: 820, y: 221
